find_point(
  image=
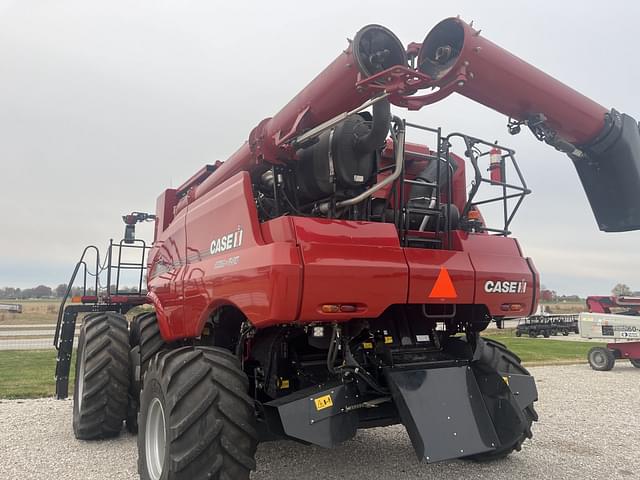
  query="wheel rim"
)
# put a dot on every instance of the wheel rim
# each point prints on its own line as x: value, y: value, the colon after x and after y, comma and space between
x: 597, y: 358
x: 80, y: 383
x: 155, y: 439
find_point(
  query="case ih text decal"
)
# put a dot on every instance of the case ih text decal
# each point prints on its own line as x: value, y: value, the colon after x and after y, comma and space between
x: 226, y: 242
x: 491, y: 286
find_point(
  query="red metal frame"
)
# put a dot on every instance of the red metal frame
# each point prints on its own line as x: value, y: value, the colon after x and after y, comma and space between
x: 490, y: 75
x: 603, y: 304
x: 630, y: 350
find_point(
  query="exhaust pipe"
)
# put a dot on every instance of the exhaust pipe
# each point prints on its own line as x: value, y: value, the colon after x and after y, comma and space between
x: 604, y: 145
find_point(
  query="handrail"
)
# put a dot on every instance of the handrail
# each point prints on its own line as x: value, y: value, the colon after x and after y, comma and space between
x: 70, y: 287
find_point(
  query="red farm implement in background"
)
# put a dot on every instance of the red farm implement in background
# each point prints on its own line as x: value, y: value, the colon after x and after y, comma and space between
x: 335, y: 272
x: 617, y: 320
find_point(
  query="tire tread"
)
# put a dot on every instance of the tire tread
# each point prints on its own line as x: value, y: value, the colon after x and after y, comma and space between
x: 104, y: 402
x: 503, y: 360
x: 211, y: 417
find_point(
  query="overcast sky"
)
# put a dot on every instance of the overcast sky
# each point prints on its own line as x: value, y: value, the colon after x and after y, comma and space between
x: 105, y: 104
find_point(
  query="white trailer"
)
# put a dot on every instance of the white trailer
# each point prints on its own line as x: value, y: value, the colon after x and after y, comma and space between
x: 622, y: 332
x: 609, y: 326
x: 11, y: 307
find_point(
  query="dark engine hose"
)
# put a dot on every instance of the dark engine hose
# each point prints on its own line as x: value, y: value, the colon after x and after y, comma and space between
x: 379, y: 128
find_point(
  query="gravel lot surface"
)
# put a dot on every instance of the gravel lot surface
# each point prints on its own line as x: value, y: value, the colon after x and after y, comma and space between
x: 589, y: 428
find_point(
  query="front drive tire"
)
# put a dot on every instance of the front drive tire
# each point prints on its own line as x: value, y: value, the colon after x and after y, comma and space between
x: 196, y: 419
x: 498, y: 357
x: 635, y: 362
x: 102, y: 378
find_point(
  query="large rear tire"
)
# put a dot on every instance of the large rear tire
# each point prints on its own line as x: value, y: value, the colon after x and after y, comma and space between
x: 498, y: 357
x: 196, y: 418
x: 151, y: 341
x: 601, y: 359
x: 145, y: 335
x: 102, y: 380
x: 635, y: 362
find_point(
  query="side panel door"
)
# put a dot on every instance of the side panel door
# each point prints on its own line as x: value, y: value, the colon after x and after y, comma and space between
x: 432, y: 272
x: 350, y: 262
x: 228, y: 263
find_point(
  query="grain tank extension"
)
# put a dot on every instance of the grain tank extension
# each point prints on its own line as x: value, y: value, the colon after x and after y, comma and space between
x: 336, y: 271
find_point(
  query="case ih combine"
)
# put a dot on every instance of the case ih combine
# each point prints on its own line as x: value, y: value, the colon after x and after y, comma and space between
x: 333, y: 275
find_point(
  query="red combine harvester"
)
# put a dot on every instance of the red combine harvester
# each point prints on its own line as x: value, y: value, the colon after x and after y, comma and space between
x: 612, y: 318
x: 331, y: 275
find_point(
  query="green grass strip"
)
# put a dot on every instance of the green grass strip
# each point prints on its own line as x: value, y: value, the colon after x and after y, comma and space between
x: 29, y: 373
x: 544, y: 351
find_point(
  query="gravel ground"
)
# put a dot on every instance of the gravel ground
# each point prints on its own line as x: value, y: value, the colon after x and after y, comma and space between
x: 589, y: 428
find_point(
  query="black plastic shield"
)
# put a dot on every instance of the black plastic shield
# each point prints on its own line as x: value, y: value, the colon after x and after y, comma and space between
x: 610, y: 174
x: 443, y: 412
x: 319, y: 416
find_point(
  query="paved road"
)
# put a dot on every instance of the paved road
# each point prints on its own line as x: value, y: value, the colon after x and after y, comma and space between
x: 29, y: 333
x: 28, y: 337
x: 588, y: 429
x: 19, y: 326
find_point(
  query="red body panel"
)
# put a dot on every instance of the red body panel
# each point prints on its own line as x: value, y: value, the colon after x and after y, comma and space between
x: 166, y: 272
x: 425, y: 268
x: 284, y: 270
x: 626, y: 349
x: 358, y: 263
x: 603, y: 304
x: 262, y: 280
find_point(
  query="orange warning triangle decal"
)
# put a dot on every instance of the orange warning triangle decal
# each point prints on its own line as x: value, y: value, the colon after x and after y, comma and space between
x: 443, y: 288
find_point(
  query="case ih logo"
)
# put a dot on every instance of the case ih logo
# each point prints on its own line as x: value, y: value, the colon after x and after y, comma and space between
x: 227, y: 242
x: 505, y: 287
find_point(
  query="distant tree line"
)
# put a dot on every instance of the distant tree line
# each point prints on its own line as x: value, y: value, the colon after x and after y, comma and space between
x: 619, y: 290
x: 43, y: 291
x: 622, y: 290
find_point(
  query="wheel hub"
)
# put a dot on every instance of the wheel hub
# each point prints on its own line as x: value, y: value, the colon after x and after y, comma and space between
x: 598, y: 358
x: 155, y: 439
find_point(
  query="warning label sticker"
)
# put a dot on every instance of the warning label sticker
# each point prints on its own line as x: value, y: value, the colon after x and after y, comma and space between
x: 323, y: 402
